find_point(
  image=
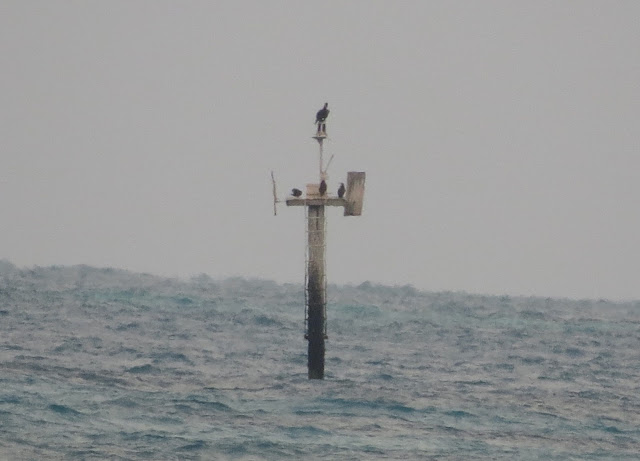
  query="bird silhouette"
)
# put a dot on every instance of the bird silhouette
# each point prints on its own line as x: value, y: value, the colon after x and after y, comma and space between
x: 341, y: 190
x: 323, y: 113
x: 323, y: 187
x: 296, y: 192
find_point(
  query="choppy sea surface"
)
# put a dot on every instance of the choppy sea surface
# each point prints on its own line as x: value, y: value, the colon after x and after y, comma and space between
x: 103, y: 364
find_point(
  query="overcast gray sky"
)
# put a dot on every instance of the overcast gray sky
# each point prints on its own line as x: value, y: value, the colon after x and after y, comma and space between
x: 501, y: 139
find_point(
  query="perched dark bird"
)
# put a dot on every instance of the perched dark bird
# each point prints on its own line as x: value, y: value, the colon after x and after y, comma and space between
x: 341, y: 190
x: 296, y: 192
x: 323, y: 187
x: 322, y: 114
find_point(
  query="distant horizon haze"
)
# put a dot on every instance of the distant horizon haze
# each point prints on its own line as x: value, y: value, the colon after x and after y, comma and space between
x: 500, y: 140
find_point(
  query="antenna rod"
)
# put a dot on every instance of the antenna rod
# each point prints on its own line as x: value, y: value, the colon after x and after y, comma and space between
x: 328, y: 163
x: 275, y: 197
x: 321, y: 171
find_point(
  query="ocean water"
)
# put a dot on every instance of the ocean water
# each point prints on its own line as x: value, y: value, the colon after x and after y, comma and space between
x: 102, y: 364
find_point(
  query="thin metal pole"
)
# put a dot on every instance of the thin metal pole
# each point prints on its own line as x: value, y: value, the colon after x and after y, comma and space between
x: 321, y: 171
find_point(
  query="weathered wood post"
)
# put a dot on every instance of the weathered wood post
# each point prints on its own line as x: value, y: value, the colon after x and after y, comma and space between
x: 314, y: 202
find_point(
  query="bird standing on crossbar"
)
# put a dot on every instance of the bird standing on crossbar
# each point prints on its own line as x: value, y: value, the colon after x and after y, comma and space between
x: 323, y: 187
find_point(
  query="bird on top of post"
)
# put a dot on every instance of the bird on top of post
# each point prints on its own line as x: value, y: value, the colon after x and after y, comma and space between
x: 321, y: 117
x: 341, y: 190
x: 296, y: 192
